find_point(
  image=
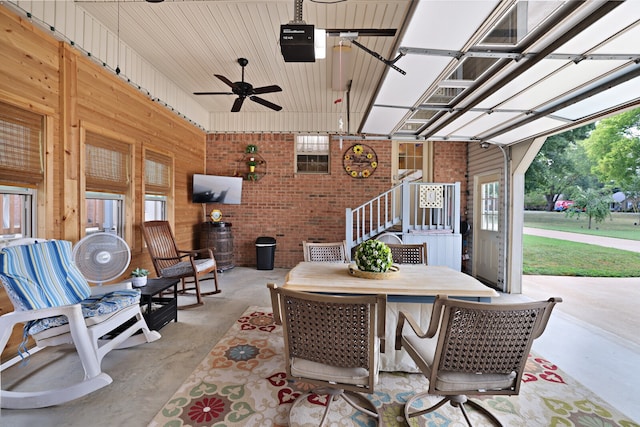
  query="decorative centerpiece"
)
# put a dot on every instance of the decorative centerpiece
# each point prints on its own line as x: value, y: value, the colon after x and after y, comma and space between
x: 373, y: 261
x: 139, y: 277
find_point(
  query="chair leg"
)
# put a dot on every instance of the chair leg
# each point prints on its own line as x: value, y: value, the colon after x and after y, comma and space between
x: 198, y: 295
x: 483, y: 411
x: 355, y: 400
x: 361, y: 403
x: 407, y: 406
x: 215, y: 282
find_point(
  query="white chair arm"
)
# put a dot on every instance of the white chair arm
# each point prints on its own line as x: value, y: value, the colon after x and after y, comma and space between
x: 74, y: 310
x: 105, y: 289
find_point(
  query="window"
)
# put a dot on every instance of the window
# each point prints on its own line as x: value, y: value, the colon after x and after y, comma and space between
x: 523, y: 18
x: 105, y: 212
x: 17, y: 207
x: 410, y: 156
x: 155, y: 207
x: 312, y: 154
x: 21, y: 163
x: 471, y: 69
x: 490, y: 198
x: 107, y: 171
x: 157, y: 185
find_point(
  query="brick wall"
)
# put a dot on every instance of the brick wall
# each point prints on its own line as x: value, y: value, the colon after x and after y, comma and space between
x: 295, y: 207
x: 450, y: 165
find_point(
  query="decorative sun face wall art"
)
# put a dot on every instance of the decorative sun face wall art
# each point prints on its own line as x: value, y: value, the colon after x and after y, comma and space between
x: 360, y: 161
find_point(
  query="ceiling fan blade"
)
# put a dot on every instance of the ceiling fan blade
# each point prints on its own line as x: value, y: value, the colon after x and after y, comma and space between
x: 267, y: 89
x: 237, y: 104
x: 265, y: 103
x: 225, y: 80
x: 213, y: 93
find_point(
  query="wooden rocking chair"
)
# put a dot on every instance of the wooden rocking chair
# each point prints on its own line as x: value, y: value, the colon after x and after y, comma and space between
x: 169, y: 261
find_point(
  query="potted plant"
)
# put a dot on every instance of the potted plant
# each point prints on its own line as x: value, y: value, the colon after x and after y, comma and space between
x: 139, y: 277
x: 251, y: 148
x: 252, y: 164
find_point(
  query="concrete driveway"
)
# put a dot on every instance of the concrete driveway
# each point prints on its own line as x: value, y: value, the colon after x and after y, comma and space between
x: 608, y: 303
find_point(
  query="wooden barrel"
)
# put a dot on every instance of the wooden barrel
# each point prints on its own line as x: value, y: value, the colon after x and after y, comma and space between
x: 218, y: 237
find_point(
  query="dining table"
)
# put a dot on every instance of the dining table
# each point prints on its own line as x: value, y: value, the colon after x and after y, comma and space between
x: 412, y: 289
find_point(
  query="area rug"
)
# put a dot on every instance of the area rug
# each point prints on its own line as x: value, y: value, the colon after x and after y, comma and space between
x: 242, y: 382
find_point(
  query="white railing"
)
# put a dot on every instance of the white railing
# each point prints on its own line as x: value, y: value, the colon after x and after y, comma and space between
x: 400, y: 206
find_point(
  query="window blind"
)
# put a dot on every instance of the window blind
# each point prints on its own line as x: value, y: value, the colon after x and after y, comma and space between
x: 107, y: 164
x: 20, y: 145
x: 157, y: 173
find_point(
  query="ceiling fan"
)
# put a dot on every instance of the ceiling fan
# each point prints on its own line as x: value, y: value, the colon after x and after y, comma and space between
x: 244, y: 90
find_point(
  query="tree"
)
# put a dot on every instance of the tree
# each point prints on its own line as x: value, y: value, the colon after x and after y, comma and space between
x: 614, y: 148
x: 555, y: 169
x: 593, y: 203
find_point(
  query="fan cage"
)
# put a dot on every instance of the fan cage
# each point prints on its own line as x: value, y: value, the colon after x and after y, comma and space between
x: 101, y: 257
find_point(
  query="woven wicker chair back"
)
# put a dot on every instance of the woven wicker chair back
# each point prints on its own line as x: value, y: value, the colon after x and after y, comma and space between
x: 335, y: 334
x: 488, y: 338
x: 409, y: 253
x: 325, y: 252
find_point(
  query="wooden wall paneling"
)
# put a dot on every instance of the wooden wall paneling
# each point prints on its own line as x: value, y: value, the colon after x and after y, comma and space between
x: 71, y: 228
x: 29, y: 66
x: 44, y: 75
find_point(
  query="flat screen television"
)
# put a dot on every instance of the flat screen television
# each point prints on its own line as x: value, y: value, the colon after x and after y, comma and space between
x: 217, y: 189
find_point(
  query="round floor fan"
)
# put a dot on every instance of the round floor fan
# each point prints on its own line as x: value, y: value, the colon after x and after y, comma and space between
x: 101, y: 257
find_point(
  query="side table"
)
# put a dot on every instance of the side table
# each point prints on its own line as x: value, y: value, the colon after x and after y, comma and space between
x: 158, y: 310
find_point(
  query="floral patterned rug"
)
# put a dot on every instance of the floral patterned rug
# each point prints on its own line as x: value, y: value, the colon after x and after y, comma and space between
x: 242, y: 382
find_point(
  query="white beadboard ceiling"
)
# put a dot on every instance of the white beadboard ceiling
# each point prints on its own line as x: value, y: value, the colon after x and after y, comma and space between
x: 581, y: 63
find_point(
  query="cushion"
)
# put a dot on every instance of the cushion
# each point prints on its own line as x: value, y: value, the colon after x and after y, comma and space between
x: 304, y: 368
x: 42, y: 275
x: 307, y: 369
x: 184, y: 268
x: 95, y: 307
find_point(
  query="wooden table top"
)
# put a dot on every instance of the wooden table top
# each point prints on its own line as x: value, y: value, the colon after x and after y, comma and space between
x: 411, y: 279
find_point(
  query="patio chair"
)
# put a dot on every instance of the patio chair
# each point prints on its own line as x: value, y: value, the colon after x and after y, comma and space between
x: 409, y: 253
x: 472, y: 348
x: 172, y: 262
x: 326, y: 252
x: 57, y: 306
x: 333, y: 342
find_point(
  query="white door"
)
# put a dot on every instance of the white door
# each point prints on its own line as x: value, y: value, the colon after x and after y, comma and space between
x: 486, y: 232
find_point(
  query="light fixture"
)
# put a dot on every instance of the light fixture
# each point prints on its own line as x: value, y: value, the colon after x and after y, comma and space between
x: 341, y: 67
x: 155, y: 1
x: 484, y: 144
x: 320, y: 43
x: 118, y: 49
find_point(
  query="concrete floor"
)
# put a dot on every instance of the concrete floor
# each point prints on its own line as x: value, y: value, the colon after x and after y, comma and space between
x: 601, y: 355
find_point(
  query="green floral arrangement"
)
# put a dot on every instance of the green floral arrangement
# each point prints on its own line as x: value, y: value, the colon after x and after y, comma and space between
x: 374, y: 256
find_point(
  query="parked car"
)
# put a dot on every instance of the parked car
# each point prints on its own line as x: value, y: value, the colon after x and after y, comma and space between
x: 562, y: 205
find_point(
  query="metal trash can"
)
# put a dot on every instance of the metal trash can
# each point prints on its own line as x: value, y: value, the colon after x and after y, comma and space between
x: 265, y: 252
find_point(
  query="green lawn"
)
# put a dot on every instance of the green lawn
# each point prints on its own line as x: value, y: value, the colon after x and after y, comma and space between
x: 620, y: 225
x: 554, y: 257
